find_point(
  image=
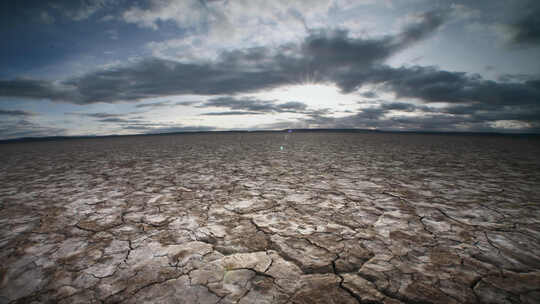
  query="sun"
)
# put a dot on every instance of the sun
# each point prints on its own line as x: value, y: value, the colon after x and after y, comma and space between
x: 315, y: 95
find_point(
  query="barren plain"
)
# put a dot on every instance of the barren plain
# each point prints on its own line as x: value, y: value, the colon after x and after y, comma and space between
x: 233, y: 218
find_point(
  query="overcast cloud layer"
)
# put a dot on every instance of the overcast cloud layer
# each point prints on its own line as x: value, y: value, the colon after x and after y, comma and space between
x: 113, y: 67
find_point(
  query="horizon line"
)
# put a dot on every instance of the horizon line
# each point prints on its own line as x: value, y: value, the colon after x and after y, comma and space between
x: 302, y: 130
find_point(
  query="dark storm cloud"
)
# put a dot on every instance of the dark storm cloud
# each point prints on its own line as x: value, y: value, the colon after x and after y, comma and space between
x: 526, y: 31
x: 15, y: 113
x: 254, y: 105
x: 323, y: 51
x: 432, y: 85
x: 37, y: 89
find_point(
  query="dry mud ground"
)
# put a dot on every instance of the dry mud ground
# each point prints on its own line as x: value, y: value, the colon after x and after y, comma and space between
x: 232, y: 218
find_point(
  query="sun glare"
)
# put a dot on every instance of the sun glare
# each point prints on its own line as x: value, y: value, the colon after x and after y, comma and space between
x: 314, y: 95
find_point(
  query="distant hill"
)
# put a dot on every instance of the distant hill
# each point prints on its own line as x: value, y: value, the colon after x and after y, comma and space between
x: 61, y: 138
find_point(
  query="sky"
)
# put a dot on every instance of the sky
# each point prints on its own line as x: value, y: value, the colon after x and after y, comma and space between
x: 102, y: 67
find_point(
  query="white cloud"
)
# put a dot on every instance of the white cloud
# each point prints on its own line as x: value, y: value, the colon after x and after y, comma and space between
x: 510, y: 124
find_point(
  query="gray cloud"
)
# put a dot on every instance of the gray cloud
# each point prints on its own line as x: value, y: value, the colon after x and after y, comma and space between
x: 427, y: 23
x: 186, y: 103
x: 173, y: 129
x: 369, y: 94
x: 254, y: 105
x: 24, y: 128
x: 141, y: 125
x: 526, y: 31
x: 231, y: 113
x: 16, y: 113
x: 373, y: 119
x: 432, y: 85
x: 293, y: 106
x: 154, y: 105
x: 95, y: 115
x: 156, y: 128
x: 119, y: 120
x: 37, y: 89
x: 472, y: 117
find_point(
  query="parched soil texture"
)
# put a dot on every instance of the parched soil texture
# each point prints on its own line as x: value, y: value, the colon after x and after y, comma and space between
x: 271, y: 218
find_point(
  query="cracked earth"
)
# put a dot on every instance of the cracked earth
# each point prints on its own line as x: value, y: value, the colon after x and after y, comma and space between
x: 232, y: 218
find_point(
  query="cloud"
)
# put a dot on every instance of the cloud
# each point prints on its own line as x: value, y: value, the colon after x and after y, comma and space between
x: 95, y: 115
x: 154, y: 105
x: 24, y: 128
x: 173, y: 129
x: 432, y: 85
x: 425, y: 25
x: 79, y: 10
x: 110, y: 117
x: 293, y: 106
x: 37, y: 89
x: 369, y: 94
x: 140, y: 125
x: 463, y: 12
x: 186, y: 103
x: 254, y: 105
x: 152, y: 128
x: 118, y: 120
x: 526, y: 30
x: 184, y: 13
x: 393, y: 116
x: 16, y: 113
x: 228, y: 15
x: 323, y: 56
x: 231, y: 113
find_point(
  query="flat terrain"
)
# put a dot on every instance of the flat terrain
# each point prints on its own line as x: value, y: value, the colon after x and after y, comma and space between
x: 233, y: 218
